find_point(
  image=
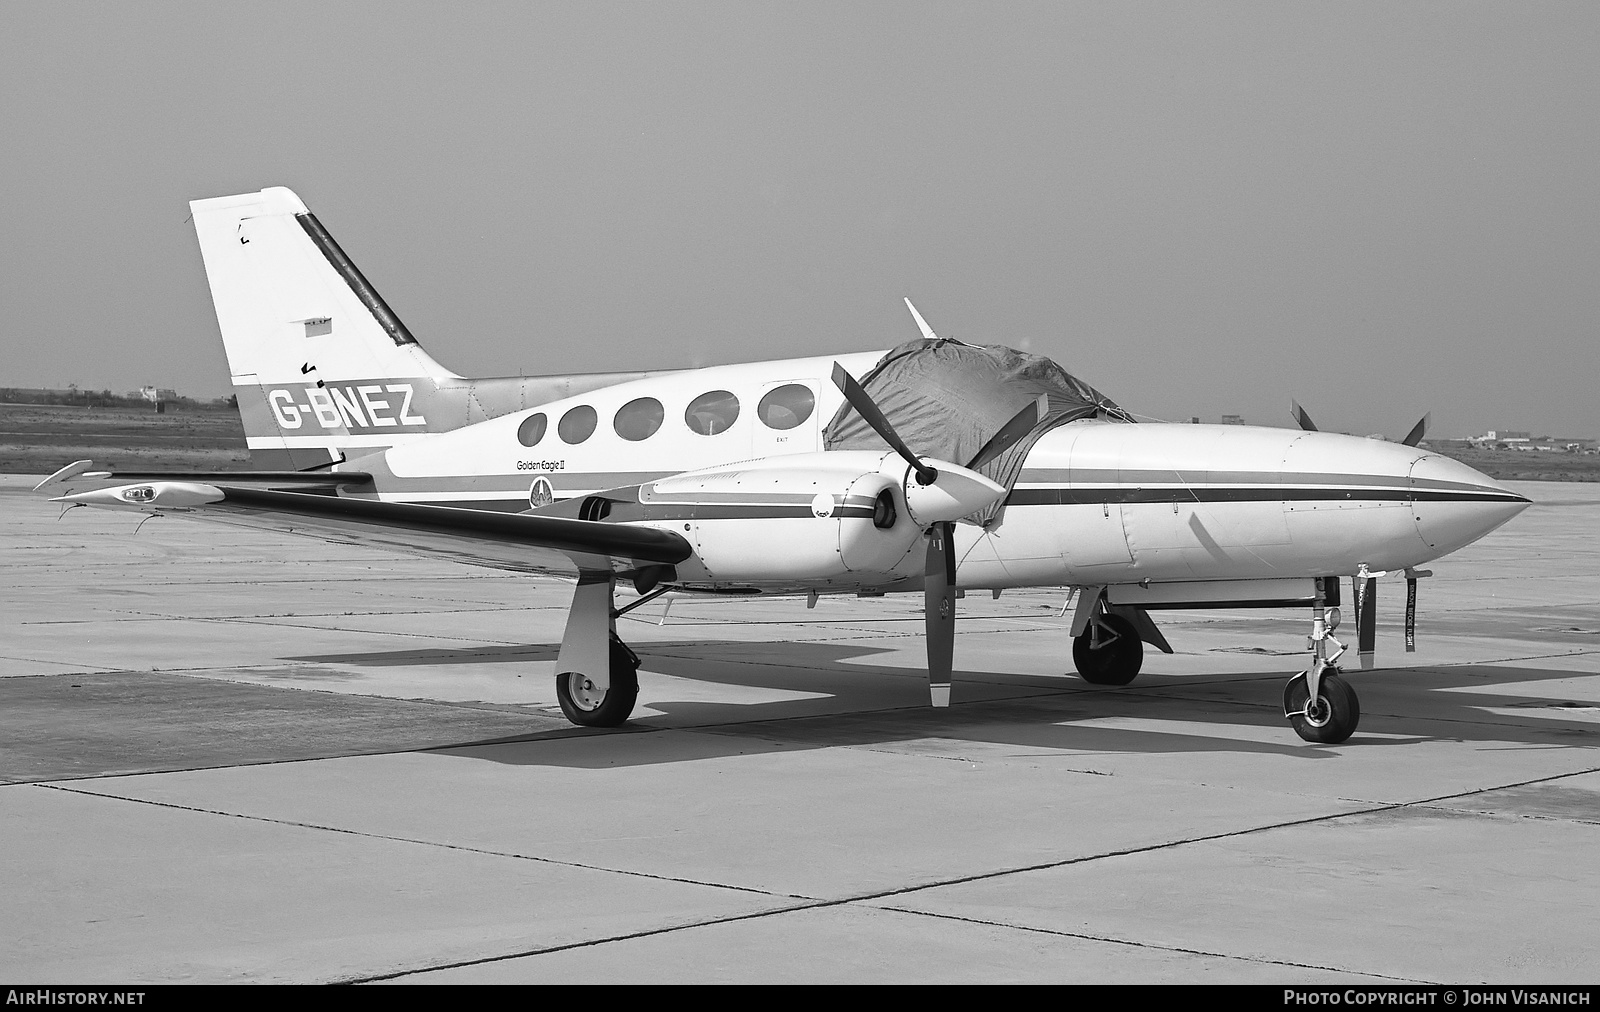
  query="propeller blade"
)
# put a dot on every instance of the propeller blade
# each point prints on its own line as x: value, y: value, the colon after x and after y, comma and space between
x: 922, y: 324
x: 939, y: 609
x: 1417, y: 431
x: 864, y: 405
x: 1301, y: 418
x: 1020, y: 425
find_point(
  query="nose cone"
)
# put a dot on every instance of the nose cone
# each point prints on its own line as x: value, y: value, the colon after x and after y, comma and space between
x: 1455, y: 505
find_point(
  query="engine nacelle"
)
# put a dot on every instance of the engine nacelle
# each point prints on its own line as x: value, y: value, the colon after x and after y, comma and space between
x: 781, y: 521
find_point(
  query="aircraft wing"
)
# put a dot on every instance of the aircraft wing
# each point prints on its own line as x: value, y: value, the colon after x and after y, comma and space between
x: 520, y: 542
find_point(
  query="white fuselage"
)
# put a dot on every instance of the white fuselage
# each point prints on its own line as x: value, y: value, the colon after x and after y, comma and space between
x: 1097, y: 503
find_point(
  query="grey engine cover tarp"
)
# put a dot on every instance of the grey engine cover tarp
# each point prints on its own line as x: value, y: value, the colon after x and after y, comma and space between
x: 947, y: 399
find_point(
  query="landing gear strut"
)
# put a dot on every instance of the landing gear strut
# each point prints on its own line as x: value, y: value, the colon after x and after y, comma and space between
x: 1109, y: 651
x: 1321, y: 706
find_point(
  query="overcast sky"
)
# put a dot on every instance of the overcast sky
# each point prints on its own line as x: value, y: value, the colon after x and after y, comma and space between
x: 1377, y: 209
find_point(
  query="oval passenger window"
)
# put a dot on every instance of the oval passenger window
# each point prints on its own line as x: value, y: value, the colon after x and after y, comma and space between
x: 639, y: 419
x: 712, y: 412
x: 532, y: 429
x: 786, y: 406
x: 578, y: 424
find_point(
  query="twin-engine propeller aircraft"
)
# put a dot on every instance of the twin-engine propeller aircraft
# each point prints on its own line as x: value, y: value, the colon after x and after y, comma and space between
x: 944, y: 468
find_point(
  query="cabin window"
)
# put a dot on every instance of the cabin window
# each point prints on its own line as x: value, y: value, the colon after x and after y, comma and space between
x: 532, y: 429
x: 638, y: 419
x: 786, y: 406
x: 578, y: 424
x: 712, y: 412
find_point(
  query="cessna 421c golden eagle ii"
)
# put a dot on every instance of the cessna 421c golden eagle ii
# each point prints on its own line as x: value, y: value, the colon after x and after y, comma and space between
x: 944, y: 468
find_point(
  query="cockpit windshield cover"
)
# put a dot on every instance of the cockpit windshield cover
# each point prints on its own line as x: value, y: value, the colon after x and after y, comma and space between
x: 947, y: 399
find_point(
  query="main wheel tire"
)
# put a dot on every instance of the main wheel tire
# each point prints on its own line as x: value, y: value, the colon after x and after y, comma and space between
x: 1118, y: 658
x: 590, y: 706
x: 1332, y: 717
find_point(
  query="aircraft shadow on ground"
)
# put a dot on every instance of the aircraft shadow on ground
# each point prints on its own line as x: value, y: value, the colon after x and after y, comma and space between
x: 877, y: 705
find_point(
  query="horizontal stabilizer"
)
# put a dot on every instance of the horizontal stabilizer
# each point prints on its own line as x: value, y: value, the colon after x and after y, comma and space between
x: 302, y: 478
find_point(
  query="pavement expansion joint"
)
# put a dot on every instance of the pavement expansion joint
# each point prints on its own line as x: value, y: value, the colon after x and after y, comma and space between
x: 387, y: 633
x: 88, y: 669
x: 870, y: 897
x: 320, y: 827
x: 1519, y: 657
x: 363, y: 613
x: 1110, y: 940
x: 1210, y: 837
x: 588, y: 943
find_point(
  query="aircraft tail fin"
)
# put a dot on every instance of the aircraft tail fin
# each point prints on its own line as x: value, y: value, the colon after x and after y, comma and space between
x: 319, y: 361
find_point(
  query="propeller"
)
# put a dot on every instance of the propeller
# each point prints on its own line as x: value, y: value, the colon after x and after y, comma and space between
x: 922, y: 324
x: 1412, y: 438
x: 939, y: 496
x: 1020, y: 425
x: 1417, y: 431
x: 868, y: 409
x: 939, y: 609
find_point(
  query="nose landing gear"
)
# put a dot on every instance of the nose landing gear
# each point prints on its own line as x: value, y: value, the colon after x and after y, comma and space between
x: 1320, y: 705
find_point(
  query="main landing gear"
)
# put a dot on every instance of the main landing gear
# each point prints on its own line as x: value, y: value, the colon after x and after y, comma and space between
x: 1321, y: 706
x: 597, y: 676
x: 591, y: 705
x: 1109, y: 651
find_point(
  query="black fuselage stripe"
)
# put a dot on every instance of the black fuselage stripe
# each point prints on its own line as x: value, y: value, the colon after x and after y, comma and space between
x: 633, y: 512
x: 1271, y: 493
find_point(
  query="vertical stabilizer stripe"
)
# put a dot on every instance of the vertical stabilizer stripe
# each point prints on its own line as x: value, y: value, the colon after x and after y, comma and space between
x: 353, y: 277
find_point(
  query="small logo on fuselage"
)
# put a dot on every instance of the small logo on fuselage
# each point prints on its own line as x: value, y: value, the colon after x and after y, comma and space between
x: 542, y: 493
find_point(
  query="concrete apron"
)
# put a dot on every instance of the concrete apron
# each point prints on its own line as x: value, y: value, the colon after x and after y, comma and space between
x: 338, y: 765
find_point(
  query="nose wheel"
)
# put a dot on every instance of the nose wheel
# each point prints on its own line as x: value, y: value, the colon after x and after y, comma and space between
x: 1327, y: 718
x: 585, y: 703
x: 1321, y: 706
